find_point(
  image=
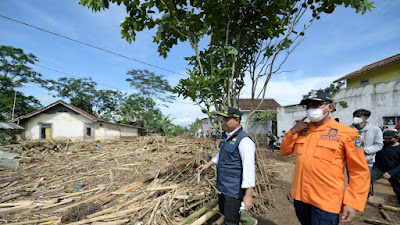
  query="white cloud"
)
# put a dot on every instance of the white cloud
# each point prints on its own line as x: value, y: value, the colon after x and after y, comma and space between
x: 288, y: 90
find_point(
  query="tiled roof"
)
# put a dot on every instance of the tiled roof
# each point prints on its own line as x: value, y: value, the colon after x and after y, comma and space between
x: 74, y: 108
x: 268, y: 104
x: 370, y: 67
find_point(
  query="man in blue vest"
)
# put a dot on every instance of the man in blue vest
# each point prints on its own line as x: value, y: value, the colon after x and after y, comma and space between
x: 235, y: 168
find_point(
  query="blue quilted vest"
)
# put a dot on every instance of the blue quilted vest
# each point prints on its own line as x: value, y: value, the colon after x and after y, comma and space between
x: 229, y: 167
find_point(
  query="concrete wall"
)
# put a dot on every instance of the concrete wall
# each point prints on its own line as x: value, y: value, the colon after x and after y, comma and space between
x: 63, y: 125
x: 74, y: 126
x: 387, y: 73
x: 382, y: 99
x: 114, y: 131
x: 288, y: 116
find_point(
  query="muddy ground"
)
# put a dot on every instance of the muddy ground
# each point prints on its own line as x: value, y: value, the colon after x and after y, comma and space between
x: 284, y: 213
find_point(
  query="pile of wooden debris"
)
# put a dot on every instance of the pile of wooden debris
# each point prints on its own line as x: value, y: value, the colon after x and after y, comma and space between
x: 147, y: 180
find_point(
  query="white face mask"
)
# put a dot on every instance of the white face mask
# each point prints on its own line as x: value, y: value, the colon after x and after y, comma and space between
x: 316, y: 115
x: 357, y: 120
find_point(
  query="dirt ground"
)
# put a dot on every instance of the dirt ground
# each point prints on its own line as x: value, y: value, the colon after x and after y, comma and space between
x: 284, y: 213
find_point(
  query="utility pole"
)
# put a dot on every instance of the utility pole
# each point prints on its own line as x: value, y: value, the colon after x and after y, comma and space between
x: 15, y: 97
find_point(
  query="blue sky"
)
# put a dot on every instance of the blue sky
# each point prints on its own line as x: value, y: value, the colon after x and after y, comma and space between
x: 335, y: 45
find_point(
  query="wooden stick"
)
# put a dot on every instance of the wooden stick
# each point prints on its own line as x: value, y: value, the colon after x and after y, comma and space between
x: 81, y: 193
x: 154, y: 212
x: 84, y: 201
x: 385, y: 215
x: 199, y: 212
x: 116, y: 222
x: 35, y: 221
x: 162, y: 188
x: 206, y: 216
x: 387, y: 207
x: 105, y: 211
x: 65, y: 201
x: 377, y: 222
x: 126, y: 212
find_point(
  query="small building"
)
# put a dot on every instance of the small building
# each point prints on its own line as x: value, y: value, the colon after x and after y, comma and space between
x: 61, y: 120
x: 375, y: 87
x: 267, y: 105
x: 9, y: 130
x: 382, y: 71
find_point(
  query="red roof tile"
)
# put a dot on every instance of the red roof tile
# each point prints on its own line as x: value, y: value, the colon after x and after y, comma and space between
x: 370, y: 67
x: 268, y: 104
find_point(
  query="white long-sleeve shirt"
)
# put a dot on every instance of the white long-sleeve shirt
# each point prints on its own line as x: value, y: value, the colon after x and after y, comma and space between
x: 247, y: 150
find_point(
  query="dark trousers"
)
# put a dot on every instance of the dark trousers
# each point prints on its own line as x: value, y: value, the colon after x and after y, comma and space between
x: 376, y: 174
x: 271, y: 146
x: 311, y: 215
x: 229, y: 207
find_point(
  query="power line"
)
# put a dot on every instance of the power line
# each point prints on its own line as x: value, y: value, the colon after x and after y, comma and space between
x: 90, y: 45
x: 75, y: 76
x: 95, y: 81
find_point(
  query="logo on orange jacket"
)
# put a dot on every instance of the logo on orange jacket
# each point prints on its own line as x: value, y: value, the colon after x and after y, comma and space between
x: 331, y: 135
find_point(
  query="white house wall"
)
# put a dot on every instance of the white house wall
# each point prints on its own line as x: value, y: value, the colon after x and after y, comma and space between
x: 114, y: 131
x: 382, y: 99
x: 63, y: 125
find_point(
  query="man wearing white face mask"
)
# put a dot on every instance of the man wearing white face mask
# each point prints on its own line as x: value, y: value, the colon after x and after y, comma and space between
x: 323, y: 147
x: 371, y: 137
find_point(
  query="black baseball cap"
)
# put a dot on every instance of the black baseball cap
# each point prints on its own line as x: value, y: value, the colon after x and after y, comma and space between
x: 231, y: 113
x: 390, y: 134
x: 317, y: 96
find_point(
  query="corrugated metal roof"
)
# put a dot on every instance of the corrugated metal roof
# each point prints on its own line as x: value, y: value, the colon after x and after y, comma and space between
x: 10, y: 126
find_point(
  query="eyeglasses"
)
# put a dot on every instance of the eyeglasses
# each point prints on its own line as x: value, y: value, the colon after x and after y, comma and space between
x: 315, y: 105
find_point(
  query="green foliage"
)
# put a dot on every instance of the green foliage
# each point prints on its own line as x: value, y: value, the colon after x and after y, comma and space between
x: 83, y: 93
x: 264, y: 116
x: 80, y: 92
x: 139, y: 108
x: 14, y: 73
x: 13, y: 64
x: 180, y: 19
x: 244, y: 37
x: 343, y: 104
x: 150, y: 85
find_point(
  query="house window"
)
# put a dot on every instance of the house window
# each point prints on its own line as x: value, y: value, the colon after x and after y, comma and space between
x: 391, y: 120
x: 364, y: 82
x: 88, y: 131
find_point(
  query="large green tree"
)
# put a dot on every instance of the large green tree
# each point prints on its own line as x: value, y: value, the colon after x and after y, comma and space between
x: 150, y: 85
x: 16, y: 73
x: 83, y: 93
x: 139, y: 108
x: 253, y: 37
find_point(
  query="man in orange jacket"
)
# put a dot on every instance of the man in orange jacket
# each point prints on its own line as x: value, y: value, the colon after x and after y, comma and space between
x: 323, y: 147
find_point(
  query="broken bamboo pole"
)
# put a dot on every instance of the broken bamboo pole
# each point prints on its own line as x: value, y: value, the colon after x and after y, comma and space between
x: 199, y: 212
x: 204, y: 218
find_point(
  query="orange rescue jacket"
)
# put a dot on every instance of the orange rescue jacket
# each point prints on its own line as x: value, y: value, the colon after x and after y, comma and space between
x: 321, y: 156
